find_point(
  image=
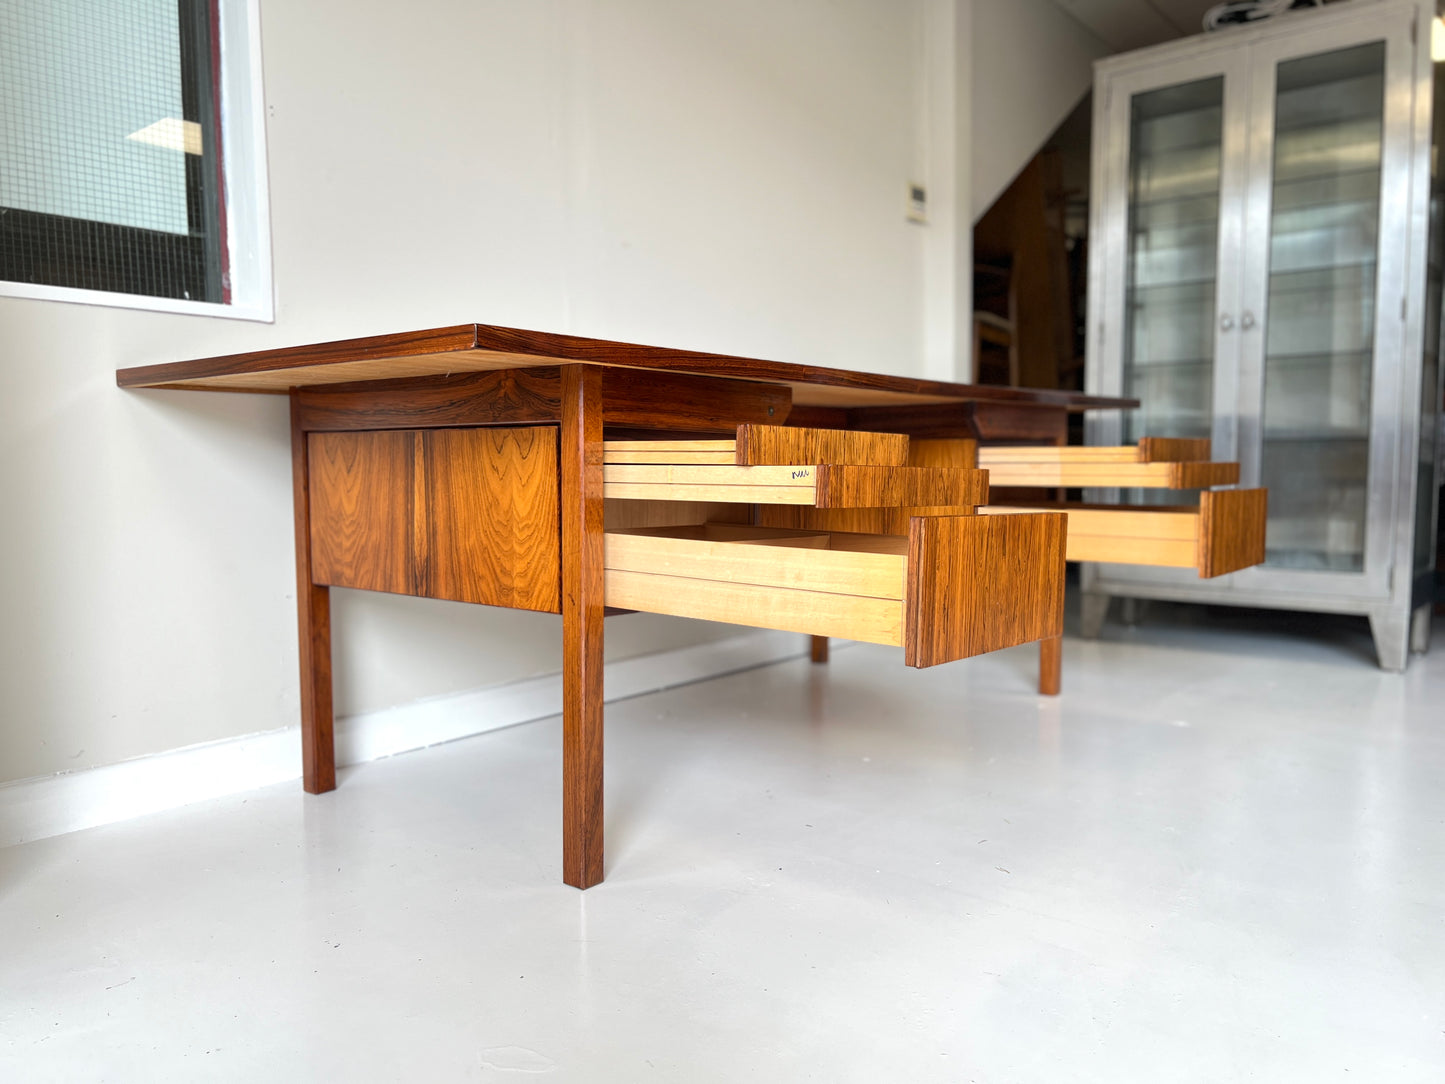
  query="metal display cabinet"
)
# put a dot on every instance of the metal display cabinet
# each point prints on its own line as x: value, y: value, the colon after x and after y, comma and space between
x: 1264, y: 271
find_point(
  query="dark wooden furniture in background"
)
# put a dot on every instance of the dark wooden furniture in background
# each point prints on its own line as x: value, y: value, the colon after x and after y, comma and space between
x: 472, y: 463
x: 1022, y: 276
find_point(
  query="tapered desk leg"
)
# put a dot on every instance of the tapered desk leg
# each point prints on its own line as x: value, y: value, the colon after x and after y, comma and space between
x: 582, y: 611
x: 820, y: 649
x: 1051, y: 665
x: 313, y: 610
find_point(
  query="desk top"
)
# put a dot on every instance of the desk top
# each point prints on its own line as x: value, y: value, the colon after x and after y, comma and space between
x: 482, y: 347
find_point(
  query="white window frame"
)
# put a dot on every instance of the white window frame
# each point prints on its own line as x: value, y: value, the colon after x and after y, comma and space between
x: 248, y: 208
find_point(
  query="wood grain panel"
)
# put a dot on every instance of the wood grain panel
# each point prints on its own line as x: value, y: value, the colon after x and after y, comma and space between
x: 765, y: 444
x: 511, y: 396
x: 981, y: 583
x: 818, y: 417
x: 943, y: 452
x: 362, y: 509
x: 640, y: 399
x: 841, y: 486
x: 917, y: 419
x: 1202, y: 475
x: 313, y: 618
x: 491, y: 517
x: 1231, y: 530
x: 462, y: 514
x: 1173, y: 449
x: 480, y: 347
x: 583, y: 610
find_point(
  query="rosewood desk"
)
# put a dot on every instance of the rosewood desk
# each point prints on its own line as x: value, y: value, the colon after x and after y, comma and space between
x: 580, y: 477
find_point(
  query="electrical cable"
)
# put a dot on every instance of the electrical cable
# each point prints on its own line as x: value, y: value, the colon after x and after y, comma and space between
x: 1235, y: 12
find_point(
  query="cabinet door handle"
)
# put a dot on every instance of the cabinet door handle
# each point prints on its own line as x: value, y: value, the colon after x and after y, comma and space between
x: 1226, y: 322
x: 1247, y: 321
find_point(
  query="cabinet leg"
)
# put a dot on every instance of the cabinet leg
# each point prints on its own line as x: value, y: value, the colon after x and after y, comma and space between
x: 1093, y: 608
x: 313, y: 610
x: 820, y: 649
x: 1051, y: 665
x: 1420, y: 629
x: 582, y: 612
x: 1391, y: 629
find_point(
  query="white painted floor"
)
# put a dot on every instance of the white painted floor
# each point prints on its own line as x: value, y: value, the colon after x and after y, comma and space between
x: 1219, y: 856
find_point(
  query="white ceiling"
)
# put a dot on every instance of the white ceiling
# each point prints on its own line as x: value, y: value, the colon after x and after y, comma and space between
x: 1132, y: 24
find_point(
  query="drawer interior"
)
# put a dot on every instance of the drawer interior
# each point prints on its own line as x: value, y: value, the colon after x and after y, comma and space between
x: 1223, y: 533
x: 1153, y: 463
x: 816, y: 485
x: 768, y: 445
x: 953, y: 587
x: 828, y: 584
x: 1166, y: 537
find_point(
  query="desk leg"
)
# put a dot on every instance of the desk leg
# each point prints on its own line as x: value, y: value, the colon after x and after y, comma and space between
x: 820, y: 649
x: 1051, y: 665
x: 313, y: 609
x: 582, y: 611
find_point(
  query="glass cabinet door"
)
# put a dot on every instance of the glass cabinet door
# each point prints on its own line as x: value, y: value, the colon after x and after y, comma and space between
x: 1321, y: 348
x: 1172, y: 241
x: 1164, y: 253
x: 1319, y: 341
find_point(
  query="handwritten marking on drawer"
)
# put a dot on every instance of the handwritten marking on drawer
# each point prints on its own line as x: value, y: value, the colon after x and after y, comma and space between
x: 803, y: 472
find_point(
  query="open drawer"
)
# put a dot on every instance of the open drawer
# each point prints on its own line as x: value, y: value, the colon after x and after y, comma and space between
x: 1154, y: 463
x: 953, y: 587
x: 768, y: 464
x: 1223, y: 533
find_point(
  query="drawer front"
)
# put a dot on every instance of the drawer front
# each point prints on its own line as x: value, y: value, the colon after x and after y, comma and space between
x: 361, y: 509
x: 1231, y: 530
x: 981, y: 583
x: 469, y: 515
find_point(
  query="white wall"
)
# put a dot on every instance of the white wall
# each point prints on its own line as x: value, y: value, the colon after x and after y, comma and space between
x: 1031, y: 64
x: 724, y: 177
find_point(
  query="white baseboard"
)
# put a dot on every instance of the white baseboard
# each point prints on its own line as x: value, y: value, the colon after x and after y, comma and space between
x: 53, y: 805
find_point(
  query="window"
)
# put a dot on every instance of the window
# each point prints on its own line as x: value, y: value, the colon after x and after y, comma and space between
x: 132, y: 155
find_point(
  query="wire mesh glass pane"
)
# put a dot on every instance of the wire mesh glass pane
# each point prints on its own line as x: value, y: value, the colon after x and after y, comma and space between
x: 109, y: 156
